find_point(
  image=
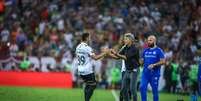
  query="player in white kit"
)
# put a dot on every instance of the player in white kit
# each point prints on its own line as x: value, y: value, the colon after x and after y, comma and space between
x: 85, y: 55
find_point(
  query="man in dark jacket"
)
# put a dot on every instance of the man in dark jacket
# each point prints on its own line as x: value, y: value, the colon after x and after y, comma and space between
x: 130, y: 54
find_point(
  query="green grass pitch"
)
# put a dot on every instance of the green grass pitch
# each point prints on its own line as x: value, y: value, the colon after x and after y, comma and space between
x: 53, y: 94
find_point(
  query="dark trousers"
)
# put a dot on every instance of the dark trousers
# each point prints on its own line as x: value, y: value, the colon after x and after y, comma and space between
x: 121, y: 90
x: 90, y: 85
x: 183, y: 83
x: 174, y: 86
x: 168, y: 85
x: 129, y: 83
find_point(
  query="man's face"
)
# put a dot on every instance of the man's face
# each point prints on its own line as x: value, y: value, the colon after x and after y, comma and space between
x: 127, y: 40
x: 88, y: 39
x: 151, y: 42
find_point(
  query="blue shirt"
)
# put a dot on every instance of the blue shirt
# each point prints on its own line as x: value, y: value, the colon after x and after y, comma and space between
x: 199, y: 70
x: 152, y: 56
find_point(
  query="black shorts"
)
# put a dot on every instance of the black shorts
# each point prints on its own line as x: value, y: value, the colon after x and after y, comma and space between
x: 89, y: 79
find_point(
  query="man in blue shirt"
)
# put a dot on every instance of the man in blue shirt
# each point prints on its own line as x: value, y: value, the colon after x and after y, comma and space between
x: 199, y: 76
x: 198, y: 52
x: 152, y: 58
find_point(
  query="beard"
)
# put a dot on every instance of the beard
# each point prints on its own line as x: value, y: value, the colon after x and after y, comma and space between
x: 151, y: 45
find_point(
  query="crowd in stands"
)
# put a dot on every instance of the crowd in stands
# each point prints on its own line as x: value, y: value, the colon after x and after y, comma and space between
x: 49, y: 30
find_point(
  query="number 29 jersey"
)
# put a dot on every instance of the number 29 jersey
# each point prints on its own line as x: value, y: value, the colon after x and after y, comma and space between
x: 83, y: 54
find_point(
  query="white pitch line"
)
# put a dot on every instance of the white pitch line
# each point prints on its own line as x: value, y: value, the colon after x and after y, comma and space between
x: 115, y: 95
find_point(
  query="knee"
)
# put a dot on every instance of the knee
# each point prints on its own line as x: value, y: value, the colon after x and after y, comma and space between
x: 124, y: 89
x: 155, y: 93
x: 134, y: 91
x: 93, y: 86
x: 142, y: 87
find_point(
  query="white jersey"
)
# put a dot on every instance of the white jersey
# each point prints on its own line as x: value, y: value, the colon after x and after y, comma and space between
x: 83, y: 53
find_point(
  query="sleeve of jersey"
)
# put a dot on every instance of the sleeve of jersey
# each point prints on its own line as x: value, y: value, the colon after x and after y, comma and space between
x: 90, y: 51
x: 161, y: 54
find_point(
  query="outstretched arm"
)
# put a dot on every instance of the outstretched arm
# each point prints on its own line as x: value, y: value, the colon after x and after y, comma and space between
x: 113, y: 56
x: 118, y: 55
x: 97, y: 57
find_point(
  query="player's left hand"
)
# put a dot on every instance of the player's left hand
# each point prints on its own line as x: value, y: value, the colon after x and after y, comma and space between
x: 113, y: 51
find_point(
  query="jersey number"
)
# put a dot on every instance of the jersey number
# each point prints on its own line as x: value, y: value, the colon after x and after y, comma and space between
x: 81, y: 60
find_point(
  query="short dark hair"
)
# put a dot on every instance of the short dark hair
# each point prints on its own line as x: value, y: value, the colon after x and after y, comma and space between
x: 85, y: 36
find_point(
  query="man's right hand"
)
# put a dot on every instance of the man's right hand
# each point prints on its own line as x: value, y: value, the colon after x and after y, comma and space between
x: 113, y: 51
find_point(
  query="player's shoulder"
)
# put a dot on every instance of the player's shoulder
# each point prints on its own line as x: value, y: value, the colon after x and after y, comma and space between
x: 155, y: 49
x: 78, y: 46
x: 146, y: 49
x: 159, y: 49
x: 83, y: 47
x: 134, y: 47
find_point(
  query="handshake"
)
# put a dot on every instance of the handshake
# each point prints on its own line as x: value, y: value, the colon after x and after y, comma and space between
x: 110, y: 52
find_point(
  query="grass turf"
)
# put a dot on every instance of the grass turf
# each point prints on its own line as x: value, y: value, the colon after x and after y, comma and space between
x: 53, y: 94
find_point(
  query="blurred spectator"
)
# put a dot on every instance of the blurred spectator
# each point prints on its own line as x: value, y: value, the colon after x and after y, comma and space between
x: 174, y: 76
x: 115, y: 77
x: 193, y: 82
x: 103, y: 82
x: 167, y: 77
x: 5, y: 35
x: 25, y: 65
x: 13, y: 47
x: 184, y: 76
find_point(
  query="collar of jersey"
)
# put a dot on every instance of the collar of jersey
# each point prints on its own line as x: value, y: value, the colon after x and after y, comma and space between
x: 84, y: 43
x: 153, y: 48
